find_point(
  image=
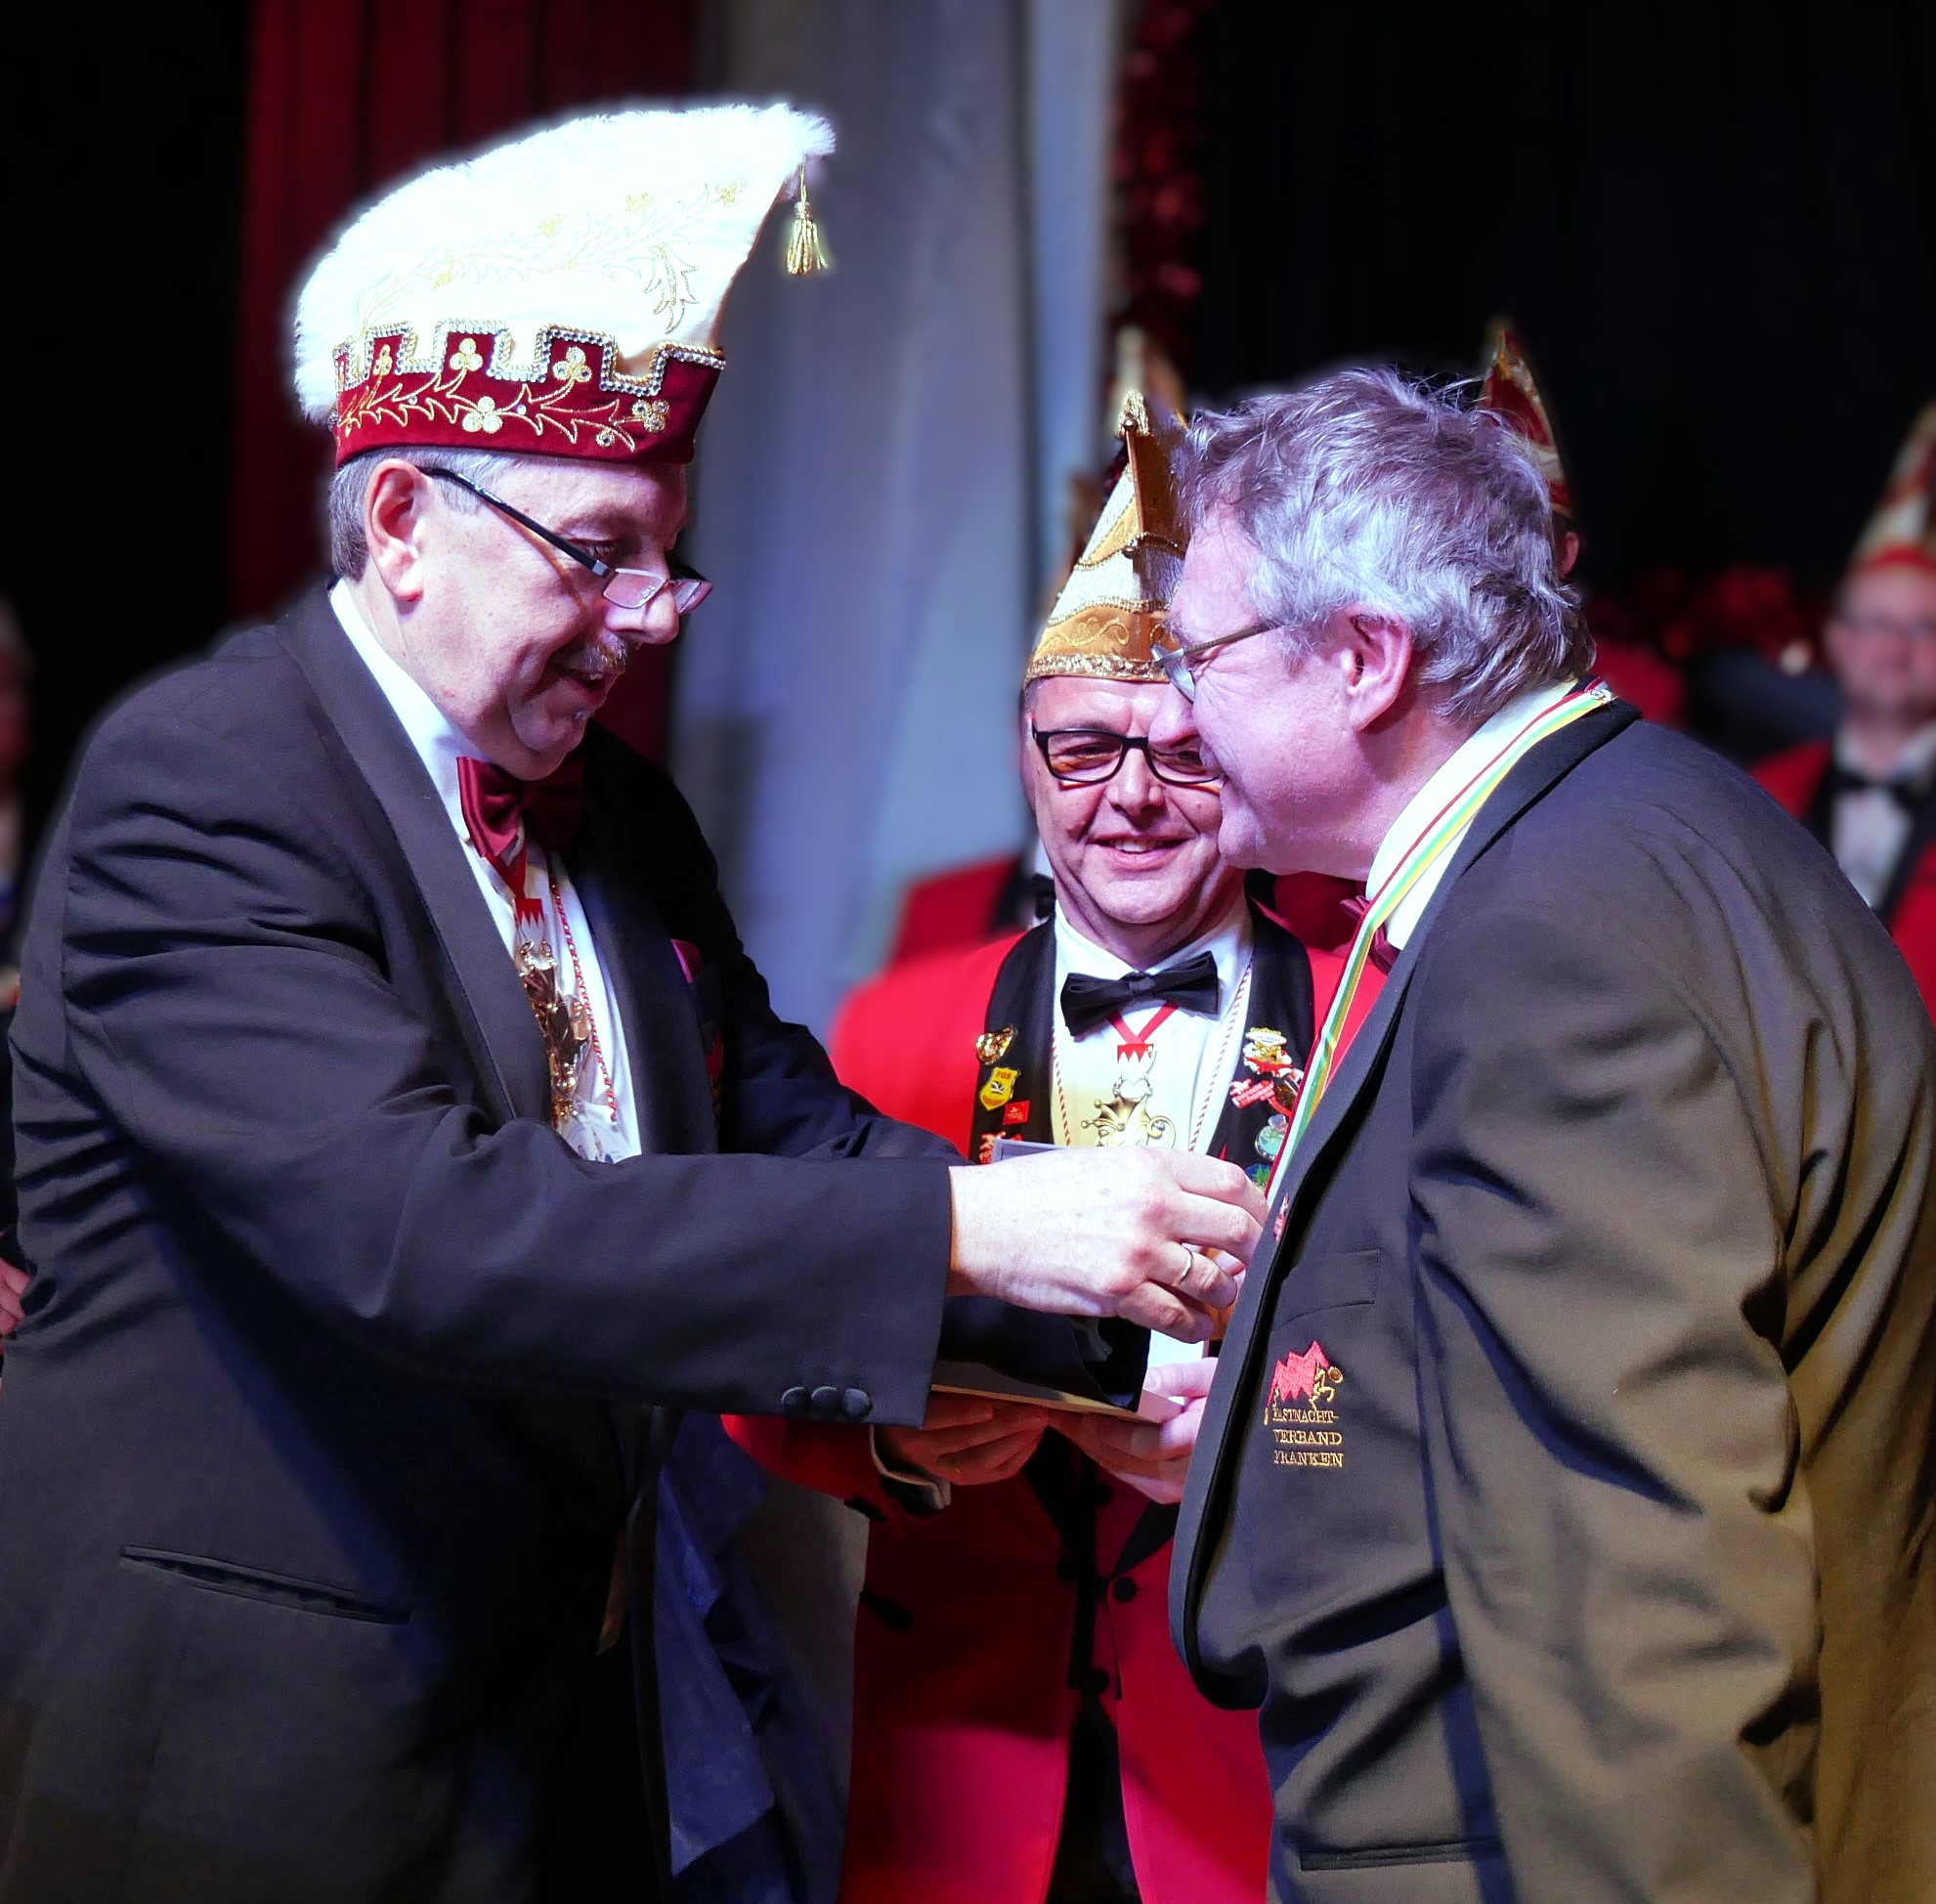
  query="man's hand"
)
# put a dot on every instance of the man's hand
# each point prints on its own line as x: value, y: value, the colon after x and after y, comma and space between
x: 1107, y: 1232
x: 1151, y: 1455
x: 967, y: 1440
x: 12, y: 1298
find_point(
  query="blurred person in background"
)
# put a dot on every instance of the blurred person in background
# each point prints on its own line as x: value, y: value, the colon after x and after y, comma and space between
x: 1869, y: 795
x: 403, y: 1129
x: 1022, y: 1728
x: 1563, y: 1499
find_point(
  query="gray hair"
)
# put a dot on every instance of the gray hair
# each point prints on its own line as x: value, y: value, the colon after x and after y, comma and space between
x: 1369, y: 489
x: 349, y: 551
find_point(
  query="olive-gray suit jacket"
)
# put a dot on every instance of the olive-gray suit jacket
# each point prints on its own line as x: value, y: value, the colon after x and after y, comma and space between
x: 1564, y: 1502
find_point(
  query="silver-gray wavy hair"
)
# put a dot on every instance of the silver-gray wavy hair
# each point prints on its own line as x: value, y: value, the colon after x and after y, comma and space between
x: 1369, y: 489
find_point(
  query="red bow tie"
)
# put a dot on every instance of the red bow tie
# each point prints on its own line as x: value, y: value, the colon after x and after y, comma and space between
x: 500, y: 810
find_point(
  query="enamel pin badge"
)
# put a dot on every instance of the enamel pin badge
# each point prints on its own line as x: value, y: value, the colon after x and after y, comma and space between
x: 999, y: 1089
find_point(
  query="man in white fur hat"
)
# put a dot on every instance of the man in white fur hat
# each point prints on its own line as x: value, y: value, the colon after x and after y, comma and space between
x: 401, y: 1120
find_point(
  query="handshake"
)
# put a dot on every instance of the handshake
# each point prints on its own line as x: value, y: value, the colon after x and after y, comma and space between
x: 1107, y: 1232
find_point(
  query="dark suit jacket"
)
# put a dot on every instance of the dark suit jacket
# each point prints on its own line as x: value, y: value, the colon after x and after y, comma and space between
x: 311, y: 1476
x: 1566, y: 1503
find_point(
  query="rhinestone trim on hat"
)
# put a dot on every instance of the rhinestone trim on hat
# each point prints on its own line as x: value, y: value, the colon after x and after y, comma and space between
x: 568, y: 389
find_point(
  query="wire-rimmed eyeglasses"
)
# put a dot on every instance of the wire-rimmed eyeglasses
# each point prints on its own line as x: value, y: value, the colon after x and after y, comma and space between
x: 626, y: 588
x: 1086, y: 757
x: 1179, y: 662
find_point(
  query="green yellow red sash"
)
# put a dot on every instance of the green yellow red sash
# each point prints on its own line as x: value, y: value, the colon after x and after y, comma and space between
x: 1440, y: 835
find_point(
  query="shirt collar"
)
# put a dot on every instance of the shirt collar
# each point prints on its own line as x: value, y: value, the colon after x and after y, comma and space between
x: 1914, y: 765
x: 439, y: 743
x: 1228, y: 941
x: 1467, y: 762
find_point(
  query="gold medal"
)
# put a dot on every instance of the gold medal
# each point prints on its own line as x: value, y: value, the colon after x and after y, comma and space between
x: 563, y: 1022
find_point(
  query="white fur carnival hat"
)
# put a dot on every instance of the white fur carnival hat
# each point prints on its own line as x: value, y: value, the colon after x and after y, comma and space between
x: 560, y: 295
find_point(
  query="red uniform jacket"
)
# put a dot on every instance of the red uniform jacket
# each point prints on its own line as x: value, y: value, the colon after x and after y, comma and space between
x: 967, y: 1635
x: 1797, y: 779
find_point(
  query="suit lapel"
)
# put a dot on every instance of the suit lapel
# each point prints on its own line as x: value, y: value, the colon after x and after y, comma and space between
x: 1922, y: 836
x: 662, y: 1011
x: 1819, y: 815
x: 509, y: 1051
x: 1017, y: 1076
x: 1258, y: 1100
x: 1543, y: 769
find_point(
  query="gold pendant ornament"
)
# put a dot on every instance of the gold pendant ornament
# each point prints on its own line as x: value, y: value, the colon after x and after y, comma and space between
x: 563, y: 1022
x: 993, y: 1045
x: 806, y: 251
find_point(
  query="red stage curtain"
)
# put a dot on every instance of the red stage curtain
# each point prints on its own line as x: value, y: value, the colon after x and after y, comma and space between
x: 344, y: 99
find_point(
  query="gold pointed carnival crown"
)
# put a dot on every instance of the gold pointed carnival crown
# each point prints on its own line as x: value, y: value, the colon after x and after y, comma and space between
x: 1902, y: 528
x: 1509, y: 390
x: 1106, y: 620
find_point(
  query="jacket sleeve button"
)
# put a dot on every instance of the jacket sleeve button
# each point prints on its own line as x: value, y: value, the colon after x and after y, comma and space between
x: 795, y: 1402
x: 827, y: 1403
x: 856, y: 1403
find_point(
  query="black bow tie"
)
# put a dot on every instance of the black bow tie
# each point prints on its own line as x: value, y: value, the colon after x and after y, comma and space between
x: 1089, y: 1001
x: 1908, y: 794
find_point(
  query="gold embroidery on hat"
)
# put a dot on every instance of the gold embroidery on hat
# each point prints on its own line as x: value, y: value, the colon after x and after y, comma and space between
x: 548, y: 398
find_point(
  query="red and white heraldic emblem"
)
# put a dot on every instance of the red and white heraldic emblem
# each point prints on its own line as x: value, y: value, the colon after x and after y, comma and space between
x: 1305, y: 1430
x: 1309, y: 1378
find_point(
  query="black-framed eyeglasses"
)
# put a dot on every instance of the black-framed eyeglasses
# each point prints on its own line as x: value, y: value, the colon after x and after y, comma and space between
x: 626, y: 588
x: 1086, y: 757
x: 1179, y: 663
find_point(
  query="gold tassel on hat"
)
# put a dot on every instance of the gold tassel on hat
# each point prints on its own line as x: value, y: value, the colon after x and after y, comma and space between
x: 805, y: 253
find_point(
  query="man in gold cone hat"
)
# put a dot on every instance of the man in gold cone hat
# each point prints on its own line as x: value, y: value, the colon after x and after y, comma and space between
x: 1869, y: 793
x: 1156, y: 1008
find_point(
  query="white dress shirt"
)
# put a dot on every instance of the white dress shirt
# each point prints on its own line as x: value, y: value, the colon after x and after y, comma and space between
x: 1173, y: 1099
x: 1173, y: 1095
x: 1870, y: 826
x: 1464, y: 766
x: 606, y: 1125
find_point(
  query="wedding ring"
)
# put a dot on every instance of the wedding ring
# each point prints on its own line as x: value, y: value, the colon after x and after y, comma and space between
x: 1189, y: 1266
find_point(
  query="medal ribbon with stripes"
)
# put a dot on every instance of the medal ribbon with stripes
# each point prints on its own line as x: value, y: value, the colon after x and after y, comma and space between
x: 1440, y: 835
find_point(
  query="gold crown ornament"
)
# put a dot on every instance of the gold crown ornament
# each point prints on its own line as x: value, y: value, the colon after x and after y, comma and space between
x: 1110, y: 613
x: 1902, y: 529
x: 559, y: 295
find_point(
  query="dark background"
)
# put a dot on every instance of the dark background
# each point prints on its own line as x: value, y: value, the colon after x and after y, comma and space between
x: 122, y: 164
x: 1714, y: 223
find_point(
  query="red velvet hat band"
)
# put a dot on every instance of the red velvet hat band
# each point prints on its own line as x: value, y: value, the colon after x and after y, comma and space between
x: 562, y: 402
